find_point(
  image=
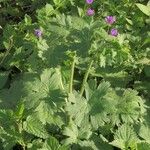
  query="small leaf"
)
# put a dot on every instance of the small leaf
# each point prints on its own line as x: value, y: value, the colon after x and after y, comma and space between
x: 27, y: 20
x: 131, y: 107
x: 48, y: 9
x: 51, y: 144
x: 19, y: 110
x: 129, y: 21
x: 57, y: 2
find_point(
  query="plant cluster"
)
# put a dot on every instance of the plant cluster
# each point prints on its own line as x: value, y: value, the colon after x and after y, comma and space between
x: 74, y: 75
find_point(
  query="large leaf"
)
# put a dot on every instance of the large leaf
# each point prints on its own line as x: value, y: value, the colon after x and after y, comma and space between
x: 94, y: 143
x: 75, y: 134
x: 144, y: 133
x: 46, y: 114
x: 115, y: 76
x: 51, y: 79
x: 8, y: 134
x: 144, y: 9
x: 125, y: 138
x: 131, y: 107
x: 31, y: 87
x: 100, y: 106
x: 77, y: 108
x: 33, y: 126
x: 10, y: 97
x: 52, y: 144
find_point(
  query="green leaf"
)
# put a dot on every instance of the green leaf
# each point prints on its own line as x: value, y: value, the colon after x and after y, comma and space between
x: 90, y: 87
x: 71, y: 131
x: 33, y: 126
x: 19, y: 110
x: 10, y: 97
x: 58, y: 2
x: 147, y: 70
x: 77, y: 108
x: 125, y: 138
x: 46, y: 114
x: 47, y: 86
x: 101, y: 91
x: 8, y: 133
x: 129, y: 21
x: 85, y: 129
x: 36, y: 144
x: 87, y: 145
x: 47, y: 10
x: 143, y: 146
x: 3, y: 79
x: 60, y: 31
x: 99, y: 106
x: 75, y: 134
x: 6, y: 119
x: 80, y: 11
x: 27, y: 20
x: 144, y: 9
x: 142, y: 86
x: 115, y: 76
x: 145, y: 133
x: 131, y: 107
x: 51, y: 79
x: 99, y: 143
x: 52, y: 144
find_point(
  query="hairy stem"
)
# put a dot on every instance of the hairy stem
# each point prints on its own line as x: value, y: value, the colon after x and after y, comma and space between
x: 85, y: 78
x: 72, y: 74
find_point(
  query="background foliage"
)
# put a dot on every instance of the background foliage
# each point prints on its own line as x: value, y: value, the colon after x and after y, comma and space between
x: 76, y: 86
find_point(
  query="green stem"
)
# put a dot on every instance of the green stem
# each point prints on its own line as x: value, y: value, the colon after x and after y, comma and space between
x: 72, y: 74
x: 85, y: 78
x: 108, y: 29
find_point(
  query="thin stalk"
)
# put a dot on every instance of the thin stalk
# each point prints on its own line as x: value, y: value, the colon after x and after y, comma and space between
x: 85, y: 78
x: 108, y: 29
x: 71, y: 77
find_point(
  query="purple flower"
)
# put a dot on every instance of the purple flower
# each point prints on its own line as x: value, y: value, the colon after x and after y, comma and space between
x: 114, y: 32
x: 89, y: 1
x: 38, y: 32
x: 110, y: 19
x: 90, y: 12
